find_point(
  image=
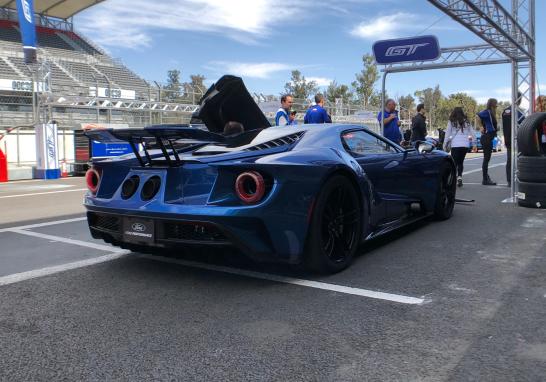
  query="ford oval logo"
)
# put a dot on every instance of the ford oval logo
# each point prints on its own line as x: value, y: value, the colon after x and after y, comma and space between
x: 138, y: 227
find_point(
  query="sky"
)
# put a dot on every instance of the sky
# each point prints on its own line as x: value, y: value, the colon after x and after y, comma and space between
x: 263, y: 40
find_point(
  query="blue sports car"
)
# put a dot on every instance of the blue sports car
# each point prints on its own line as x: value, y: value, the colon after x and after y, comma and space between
x: 497, y: 143
x: 308, y: 194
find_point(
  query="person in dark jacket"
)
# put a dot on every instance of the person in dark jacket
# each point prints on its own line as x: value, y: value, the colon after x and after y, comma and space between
x: 419, y: 125
x: 488, y: 120
x: 316, y: 113
x: 507, y: 132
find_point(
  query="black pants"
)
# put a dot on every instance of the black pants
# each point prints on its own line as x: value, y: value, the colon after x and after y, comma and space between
x: 487, y: 145
x: 458, y: 154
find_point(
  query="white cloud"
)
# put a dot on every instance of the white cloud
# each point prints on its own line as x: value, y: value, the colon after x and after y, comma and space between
x: 128, y: 23
x: 384, y: 27
x: 321, y: 81
x: 398, y: 24
x: 246, y: 69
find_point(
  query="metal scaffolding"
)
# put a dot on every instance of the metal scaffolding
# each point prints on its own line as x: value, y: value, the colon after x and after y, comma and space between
x: 509, y: 38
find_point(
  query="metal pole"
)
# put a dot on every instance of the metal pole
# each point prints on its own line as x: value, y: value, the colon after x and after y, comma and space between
x: 149, y: 105
x: 382, y: 109
x: 109, y: 100
x: 513, y: 140
x: 159, y: 100
x: 532, y: 69
x: 96, y: 95
x: 18, y: 155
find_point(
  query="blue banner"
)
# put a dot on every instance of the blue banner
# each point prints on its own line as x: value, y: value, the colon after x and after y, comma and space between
x: 421, y: 48
x: 99, y: 149
x: 25, y: 10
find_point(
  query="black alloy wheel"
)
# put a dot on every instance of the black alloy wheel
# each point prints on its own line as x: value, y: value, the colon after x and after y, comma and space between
x: 447, y: 189
x: 335, y: 229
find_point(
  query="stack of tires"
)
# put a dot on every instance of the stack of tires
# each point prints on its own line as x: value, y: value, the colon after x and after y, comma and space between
x: 532, y: 161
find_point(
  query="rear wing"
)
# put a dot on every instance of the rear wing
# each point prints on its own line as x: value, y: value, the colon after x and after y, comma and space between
x: 163, y: 135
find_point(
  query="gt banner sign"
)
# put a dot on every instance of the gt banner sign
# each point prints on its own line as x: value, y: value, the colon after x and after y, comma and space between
x: 21, y: 85
x: 421, y: 48
x: 25, y: 10
x: 47, y: 161
x: 112, y: 93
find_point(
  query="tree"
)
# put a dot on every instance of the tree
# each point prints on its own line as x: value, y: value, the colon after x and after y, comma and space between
x: 336, y: 92
x: 195, y: 89
x: 172, y: 91
x: 431, y: 98
x: 375, y: 99
x: 407, y: 105
x: 446, y: 106
x: 299, y: 87
x: 364, y: 85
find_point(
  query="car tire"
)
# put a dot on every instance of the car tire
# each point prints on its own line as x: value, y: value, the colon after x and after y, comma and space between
x: 529, y: 135
x: 335, y: 228
x: 532, y: 169
x: 532, y: 194
x: 447, y: 189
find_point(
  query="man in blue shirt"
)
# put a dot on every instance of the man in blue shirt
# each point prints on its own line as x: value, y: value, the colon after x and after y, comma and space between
x: 488, y: 119
x: 316, y: 113
x: 391, y: 123
x: 281, y: 118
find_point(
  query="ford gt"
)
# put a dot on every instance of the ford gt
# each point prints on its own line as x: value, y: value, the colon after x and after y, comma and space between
x: 305, y: 194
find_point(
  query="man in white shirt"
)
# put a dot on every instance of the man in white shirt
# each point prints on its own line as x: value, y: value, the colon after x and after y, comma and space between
x: 281, y: 118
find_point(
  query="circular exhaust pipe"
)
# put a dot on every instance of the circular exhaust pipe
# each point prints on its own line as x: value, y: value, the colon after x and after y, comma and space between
x: 129, y: 187
x: 150, y: 188
x: 250, y: 187
x: 92, y: 179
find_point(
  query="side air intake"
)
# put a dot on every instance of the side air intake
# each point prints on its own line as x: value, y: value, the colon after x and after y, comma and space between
x: 283, y: 141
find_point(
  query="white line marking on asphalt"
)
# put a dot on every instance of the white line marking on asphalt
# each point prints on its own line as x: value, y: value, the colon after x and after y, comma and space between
x: 479, y: 169
x: 481, y: 157
x: 17, y: 277
x: 65, y: 240
x: 38, y: 180
x: 118, y: 252
x: 290, y: 280
x: 45, y: 224
x: 41, y: 193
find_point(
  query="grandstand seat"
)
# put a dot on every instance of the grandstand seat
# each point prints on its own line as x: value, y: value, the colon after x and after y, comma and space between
x: 48, y: 37
x: 7, y: 72
x: 19, y: 63
x: 8, y: 31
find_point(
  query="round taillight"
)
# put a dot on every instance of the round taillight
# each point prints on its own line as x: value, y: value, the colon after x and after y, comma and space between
x: 92, y: 178
x: 150, y: 188
x: 129, y: 187
x: 250, y: 187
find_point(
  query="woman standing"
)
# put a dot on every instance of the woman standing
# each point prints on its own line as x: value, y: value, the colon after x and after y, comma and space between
x: 458, y: 133
x: 488, y: 120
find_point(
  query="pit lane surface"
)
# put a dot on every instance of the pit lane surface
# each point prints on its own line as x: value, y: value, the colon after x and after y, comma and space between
x: 480, y: 276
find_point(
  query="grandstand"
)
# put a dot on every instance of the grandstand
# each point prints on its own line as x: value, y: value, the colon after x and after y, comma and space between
x: 75, y: 82
x: 75, y: 63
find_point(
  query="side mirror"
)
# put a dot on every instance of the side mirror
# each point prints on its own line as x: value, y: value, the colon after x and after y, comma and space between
x: 424, y: 147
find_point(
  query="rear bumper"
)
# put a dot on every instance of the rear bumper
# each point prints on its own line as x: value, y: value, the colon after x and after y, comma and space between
x: 250, y: 235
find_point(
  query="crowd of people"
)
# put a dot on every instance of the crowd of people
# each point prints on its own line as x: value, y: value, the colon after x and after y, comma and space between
x: 458, y: 138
